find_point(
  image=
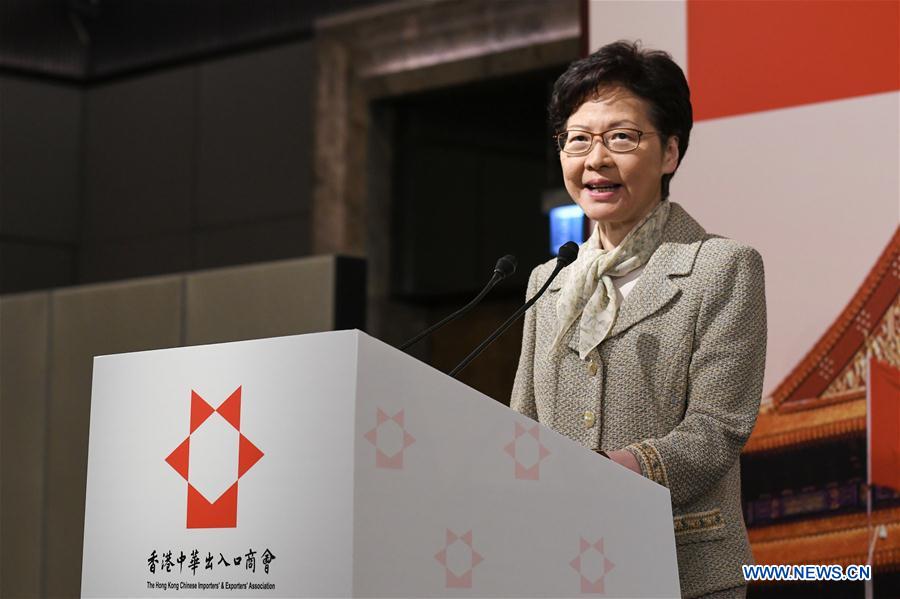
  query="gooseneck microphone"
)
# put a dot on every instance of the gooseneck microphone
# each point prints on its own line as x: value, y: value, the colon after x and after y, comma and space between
x: 567, y: 254
x: 505, y: 267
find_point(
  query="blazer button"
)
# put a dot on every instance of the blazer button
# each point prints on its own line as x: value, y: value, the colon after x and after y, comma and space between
x: 592, y: 368
x: 589, y: 419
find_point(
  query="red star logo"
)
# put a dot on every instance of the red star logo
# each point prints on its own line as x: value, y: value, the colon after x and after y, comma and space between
x: 459, y: 558
x: 390, y: 438
x: 527, y: 451
x: 592, y: 565
x: 217, y: 434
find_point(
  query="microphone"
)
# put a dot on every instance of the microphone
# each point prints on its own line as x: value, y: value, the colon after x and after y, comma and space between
x: 567, y: 254
x: 505, y: 267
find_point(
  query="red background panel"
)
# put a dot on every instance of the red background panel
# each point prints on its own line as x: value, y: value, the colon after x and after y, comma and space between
x: 748, y: 56
x: 884, y: 390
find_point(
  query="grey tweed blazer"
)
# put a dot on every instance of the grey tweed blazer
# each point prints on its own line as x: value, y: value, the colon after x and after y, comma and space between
x: 677, y: 383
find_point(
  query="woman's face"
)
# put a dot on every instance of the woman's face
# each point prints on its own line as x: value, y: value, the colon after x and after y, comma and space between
x: 634, y: 176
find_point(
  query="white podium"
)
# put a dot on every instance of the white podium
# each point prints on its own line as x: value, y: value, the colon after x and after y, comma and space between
x: 333, y: 465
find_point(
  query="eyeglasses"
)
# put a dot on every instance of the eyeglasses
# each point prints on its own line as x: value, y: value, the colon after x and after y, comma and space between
x: 577, y: 142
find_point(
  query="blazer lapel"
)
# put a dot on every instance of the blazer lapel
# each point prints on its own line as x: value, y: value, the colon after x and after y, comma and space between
x: 571, y: 336
x: 675, y: 256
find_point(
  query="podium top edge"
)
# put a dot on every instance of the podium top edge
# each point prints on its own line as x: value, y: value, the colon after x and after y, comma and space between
x: 357, y: 332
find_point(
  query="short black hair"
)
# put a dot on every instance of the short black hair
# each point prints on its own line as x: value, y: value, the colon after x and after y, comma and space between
x: 649, y: 74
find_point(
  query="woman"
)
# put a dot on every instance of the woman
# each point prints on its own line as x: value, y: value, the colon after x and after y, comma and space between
x: 650, y: 347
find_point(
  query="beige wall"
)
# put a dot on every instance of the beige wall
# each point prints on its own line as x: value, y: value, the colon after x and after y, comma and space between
x: 47, y: 344
x: 24, y: 325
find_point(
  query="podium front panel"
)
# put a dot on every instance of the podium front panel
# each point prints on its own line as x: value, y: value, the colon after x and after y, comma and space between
x: 270, y: 471
x: 457, y: 493
x: 333, y: 465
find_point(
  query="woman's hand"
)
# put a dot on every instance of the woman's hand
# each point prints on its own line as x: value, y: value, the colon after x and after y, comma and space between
x: 625, y: 458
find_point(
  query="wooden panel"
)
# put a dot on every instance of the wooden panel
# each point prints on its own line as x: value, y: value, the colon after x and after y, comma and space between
x: 264, y: 300
x: 23, y: 412
x: 91, y: 321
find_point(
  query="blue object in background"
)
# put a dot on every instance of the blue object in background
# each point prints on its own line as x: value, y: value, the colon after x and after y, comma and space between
x: 566, y: 224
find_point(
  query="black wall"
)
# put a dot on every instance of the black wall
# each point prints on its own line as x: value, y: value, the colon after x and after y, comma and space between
x: 472, y: 164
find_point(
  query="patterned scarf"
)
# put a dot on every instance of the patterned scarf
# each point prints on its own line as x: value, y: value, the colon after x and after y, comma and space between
x: 589, y: 290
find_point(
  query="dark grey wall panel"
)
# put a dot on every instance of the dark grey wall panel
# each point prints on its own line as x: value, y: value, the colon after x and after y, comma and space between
x: 139, y: 155
x: 36, y: 265
x: 108, y: 260
x: 23, y: 413
x: 39, y: 163
x: 86, y: 322
x: 192, y: 167
x: 255, y: 242
x: 255, y: 154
